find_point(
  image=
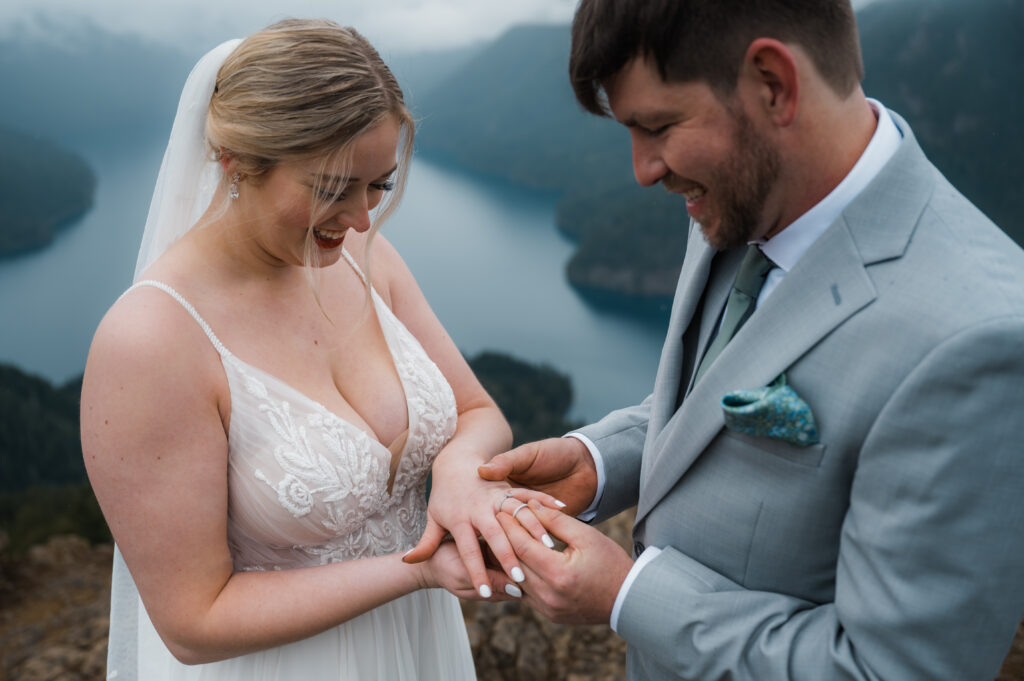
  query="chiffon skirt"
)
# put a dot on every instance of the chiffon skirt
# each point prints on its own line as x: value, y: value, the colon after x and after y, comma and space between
x: 418, y: 637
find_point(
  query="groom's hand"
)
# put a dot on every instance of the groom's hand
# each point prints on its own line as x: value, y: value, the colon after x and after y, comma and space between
x: 559, y: 466
x: 578, y: 585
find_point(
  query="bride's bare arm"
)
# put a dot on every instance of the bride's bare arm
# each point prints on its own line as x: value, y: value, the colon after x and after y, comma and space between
x: 461, y: 503
x: 154, y: 410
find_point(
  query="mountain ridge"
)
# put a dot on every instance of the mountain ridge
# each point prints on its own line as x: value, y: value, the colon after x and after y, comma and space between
x: 510, y: 114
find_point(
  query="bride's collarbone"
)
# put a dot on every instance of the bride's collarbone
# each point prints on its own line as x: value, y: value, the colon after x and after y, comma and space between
x: 332, y: 351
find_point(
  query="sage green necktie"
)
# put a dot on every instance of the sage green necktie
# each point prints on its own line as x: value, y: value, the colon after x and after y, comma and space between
x: 742, y: 301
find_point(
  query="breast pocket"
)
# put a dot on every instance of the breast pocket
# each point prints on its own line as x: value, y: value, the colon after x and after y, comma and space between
x: 810, y: 456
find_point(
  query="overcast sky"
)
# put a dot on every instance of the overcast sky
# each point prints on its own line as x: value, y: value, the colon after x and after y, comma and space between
x: 393, y: 25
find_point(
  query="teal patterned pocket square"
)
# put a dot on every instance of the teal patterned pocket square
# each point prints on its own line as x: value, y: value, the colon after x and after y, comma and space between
x: 775, y: 411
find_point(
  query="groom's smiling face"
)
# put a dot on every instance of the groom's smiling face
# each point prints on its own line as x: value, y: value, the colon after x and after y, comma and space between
x: 687, y: 138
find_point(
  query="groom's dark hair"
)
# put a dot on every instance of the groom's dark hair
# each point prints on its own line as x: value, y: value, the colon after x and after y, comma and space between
x: 705, y: 40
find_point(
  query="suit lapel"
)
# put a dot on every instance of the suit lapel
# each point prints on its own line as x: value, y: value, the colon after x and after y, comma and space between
x: 692, y: 280
x: 819, y: 294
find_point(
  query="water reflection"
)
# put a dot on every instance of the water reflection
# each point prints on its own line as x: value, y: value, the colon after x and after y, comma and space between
x: 487, y: 256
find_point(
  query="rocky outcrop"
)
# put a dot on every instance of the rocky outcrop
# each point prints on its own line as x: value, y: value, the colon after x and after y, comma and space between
x: 1013, y: 666
x: 54, y: 618
x: 54, y: 607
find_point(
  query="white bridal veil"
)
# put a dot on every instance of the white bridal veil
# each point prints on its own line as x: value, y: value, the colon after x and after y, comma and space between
x: 188, y: 176
x: 184, y: 188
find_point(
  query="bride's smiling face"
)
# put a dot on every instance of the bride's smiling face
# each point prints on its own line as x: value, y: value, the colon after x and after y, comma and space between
x: 291, y: 194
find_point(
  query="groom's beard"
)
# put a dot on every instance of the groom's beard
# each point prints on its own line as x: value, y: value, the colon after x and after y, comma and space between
x: 741, y: 185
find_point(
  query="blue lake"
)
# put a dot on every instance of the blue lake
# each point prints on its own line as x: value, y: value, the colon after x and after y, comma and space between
x: 487, y: 256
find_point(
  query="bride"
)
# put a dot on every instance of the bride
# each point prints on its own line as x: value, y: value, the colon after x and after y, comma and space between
x: 260, y: 411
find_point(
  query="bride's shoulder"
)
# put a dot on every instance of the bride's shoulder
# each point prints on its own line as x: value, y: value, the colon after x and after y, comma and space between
x: 147, y: 327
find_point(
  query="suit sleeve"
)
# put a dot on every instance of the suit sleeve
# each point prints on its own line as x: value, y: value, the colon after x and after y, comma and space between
x: 619, y: 437
x: 929, y: 574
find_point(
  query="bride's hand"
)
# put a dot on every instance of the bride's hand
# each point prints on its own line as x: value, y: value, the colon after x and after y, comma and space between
x: 464, y: 506
x: 446, y: 570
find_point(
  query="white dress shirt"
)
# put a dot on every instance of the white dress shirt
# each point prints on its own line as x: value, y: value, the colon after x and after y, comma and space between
x: 784, y: 249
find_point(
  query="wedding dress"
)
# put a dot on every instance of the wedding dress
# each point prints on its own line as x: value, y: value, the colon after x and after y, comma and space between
x: 307, y: 488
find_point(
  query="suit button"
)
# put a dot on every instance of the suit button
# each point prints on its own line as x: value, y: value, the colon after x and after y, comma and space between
x: 638, y: 548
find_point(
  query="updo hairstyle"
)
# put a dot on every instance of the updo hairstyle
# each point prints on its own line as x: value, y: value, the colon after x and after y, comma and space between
x: 304, y: 89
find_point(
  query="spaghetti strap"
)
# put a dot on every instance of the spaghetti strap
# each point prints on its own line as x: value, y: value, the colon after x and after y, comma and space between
x: 224, y: 352
x: 352, y: 262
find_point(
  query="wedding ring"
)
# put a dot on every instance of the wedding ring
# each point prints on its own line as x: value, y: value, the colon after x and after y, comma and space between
x: 519, y: 508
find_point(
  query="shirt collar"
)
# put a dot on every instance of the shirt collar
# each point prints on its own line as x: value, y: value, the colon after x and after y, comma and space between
x: 789, y: 245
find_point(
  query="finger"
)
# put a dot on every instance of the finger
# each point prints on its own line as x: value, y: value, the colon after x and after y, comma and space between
x: 526, y: 517
x: 427, y: 544
x: 509, y: 463
x: 513, y: 496
x: 536, y: 559
x: 543, y: 497
x: 512, y: 593
x: 546, y: 574
x: 501, y: 549
x: 561, y: 526
x: 472, y: 558
x: 495, y: 470
x: 504, y: 590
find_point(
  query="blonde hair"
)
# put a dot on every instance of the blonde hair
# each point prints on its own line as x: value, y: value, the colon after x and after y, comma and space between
x: 305, y: 89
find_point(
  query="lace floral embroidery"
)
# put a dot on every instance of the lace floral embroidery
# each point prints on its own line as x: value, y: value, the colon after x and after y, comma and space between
x: 350, y: 483
x: 333, y: 475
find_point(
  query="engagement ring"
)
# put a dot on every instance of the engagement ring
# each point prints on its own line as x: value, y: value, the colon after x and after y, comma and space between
x: 508, y: 495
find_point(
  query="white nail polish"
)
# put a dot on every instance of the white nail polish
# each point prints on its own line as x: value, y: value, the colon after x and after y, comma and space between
x: 560, y: 504
x: 485, y: 591
x: 517, y: 574
x: 513, y: 591
x: 547, y: 541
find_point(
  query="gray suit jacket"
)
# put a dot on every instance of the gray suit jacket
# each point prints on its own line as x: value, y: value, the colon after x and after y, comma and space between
x: 894, y: 549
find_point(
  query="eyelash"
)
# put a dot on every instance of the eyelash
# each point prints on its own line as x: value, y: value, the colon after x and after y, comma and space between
x: 386, y: 186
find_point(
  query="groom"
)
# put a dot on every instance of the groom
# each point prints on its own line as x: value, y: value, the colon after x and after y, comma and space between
x: 829, y: 473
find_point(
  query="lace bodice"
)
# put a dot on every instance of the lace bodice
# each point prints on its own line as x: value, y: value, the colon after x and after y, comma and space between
x: 307, y: 487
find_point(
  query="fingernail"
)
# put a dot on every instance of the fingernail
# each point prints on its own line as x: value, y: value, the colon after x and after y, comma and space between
x: 485, y: 591
x: 513, y: 591
x: 559, y: 504
x: 547, y: 541
x: 517, y: 574
x: 407, y: 553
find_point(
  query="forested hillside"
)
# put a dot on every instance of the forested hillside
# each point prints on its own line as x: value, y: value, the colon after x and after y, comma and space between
x: 43, y: 486
x: 950, y: 67
x: 953, y: 69
x: 43, y: 188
